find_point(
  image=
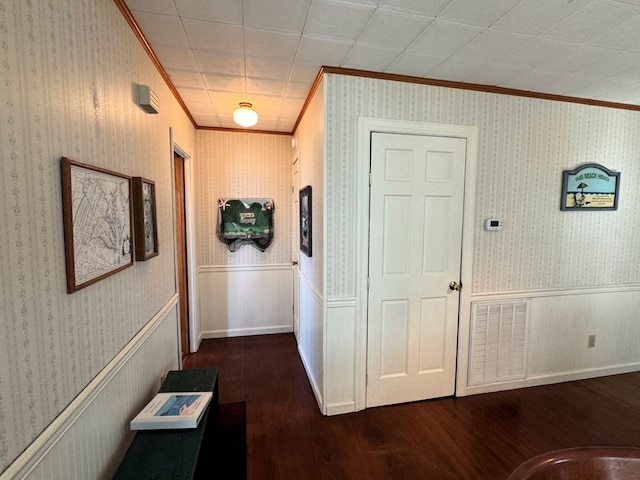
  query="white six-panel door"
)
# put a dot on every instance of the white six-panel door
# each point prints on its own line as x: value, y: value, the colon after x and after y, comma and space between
x: 416, y: 207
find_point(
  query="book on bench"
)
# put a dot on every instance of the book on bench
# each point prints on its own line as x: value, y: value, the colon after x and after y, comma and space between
x: 172, y: 410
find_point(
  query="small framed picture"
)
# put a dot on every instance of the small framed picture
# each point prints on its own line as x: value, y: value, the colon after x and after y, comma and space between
x: 96, y: 205
x: 145, y: 227
x: 305, y: 221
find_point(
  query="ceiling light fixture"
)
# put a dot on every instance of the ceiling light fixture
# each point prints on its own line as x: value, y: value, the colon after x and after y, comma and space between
x: 245, y: 116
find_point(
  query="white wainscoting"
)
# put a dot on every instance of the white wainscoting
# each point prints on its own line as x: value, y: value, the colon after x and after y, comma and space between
x: 88, y: 439
x: 341, y: 364
x: 311, y: 343
x: 559, y: 325
x: 245, y: 300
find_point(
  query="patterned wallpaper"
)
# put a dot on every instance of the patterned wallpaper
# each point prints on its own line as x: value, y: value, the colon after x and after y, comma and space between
x: 524, y: 145
x: 310, y: 155
x: 67, y: 73
x: 241, y: 165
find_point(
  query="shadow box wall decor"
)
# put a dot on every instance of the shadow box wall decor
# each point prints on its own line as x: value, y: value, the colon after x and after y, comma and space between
x: 590, y: 187
x: 245, y: 221
x: 145, y: 224
x: 97, y: 223
x: 305, y: 221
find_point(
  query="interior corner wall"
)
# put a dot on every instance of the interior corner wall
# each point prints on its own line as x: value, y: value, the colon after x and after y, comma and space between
x: 245, y: 292
x: 310, y: 155
x: 68, y: 75
x: 557, y: 259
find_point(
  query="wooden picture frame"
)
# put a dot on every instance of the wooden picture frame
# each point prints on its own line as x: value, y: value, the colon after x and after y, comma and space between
x: 306, y: 230
x: 96, y: 205
x: 145, y: 223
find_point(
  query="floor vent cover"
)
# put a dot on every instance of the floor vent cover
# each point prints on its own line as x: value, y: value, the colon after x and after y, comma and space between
x: 498, y: 342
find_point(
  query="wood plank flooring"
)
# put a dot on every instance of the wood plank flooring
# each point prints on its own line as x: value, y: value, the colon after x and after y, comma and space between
x: 476, y: 437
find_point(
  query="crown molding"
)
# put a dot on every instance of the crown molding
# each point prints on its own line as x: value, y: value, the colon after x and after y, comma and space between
x: 477, y: 87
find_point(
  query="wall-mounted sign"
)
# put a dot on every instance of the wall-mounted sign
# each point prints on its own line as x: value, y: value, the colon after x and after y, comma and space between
x: 590, y: 187
x: 245, y: 221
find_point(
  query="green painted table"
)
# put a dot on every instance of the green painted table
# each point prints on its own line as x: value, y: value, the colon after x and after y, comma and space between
x: 175, y: 454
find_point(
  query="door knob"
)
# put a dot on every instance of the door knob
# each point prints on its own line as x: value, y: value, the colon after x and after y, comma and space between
x: 455, y: 286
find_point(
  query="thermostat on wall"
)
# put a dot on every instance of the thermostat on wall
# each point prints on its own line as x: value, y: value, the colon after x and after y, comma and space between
x: 493, y: 224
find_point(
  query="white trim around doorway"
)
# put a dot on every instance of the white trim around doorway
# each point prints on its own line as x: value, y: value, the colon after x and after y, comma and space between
x: 194, y: 330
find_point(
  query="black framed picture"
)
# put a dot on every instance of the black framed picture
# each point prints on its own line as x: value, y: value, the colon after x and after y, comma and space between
x: 305, y: 221
x: 145, y: 227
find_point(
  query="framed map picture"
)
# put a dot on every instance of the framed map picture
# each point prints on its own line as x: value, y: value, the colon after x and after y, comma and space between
x: 96, y: 207
x: 143, y: 194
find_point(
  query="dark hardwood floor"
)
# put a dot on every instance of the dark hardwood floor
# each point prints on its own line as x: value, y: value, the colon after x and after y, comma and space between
x: 476, y: 437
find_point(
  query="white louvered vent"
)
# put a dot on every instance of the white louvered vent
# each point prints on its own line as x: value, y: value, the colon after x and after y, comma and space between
x: 498, y: 342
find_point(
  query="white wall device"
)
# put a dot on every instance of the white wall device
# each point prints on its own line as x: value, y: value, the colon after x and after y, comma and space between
x: 493, y: 224
x: 147, y: 99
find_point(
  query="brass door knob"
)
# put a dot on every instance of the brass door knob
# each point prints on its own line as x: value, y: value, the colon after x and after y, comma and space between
x: 455, y: 286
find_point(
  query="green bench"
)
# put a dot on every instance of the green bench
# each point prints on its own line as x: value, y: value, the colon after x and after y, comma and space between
x: 176, y: 454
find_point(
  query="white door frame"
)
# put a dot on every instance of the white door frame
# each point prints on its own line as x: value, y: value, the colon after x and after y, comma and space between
x: 295, y: 251
x: 366, y: 126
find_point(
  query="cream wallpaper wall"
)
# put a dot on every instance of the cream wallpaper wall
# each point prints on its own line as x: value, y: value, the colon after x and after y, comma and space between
x: 242, y: 165
x: 524, y: 145
x: 67, y: 74
x: 310, y: 155
x: 562, y: 263
x: 311, y: 334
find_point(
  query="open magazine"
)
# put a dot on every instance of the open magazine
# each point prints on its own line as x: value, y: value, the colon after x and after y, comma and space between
x: 172, y: 410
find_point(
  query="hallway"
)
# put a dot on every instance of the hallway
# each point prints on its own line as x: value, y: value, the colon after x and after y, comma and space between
x: 477, y: 437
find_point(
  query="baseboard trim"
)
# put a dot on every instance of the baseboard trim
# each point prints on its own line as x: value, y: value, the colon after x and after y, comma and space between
x: 44, y: 443
x: 341, y: 408
x: 245, y: 332
x: 550, y: 379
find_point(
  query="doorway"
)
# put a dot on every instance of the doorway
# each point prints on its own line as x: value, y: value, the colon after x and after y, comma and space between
x: 181, y: 253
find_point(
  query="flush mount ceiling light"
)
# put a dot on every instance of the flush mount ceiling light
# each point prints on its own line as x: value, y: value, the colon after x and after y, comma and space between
x: 245, y: 116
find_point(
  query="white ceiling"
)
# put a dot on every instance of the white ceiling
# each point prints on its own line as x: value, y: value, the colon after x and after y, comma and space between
x: 268, y: 52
